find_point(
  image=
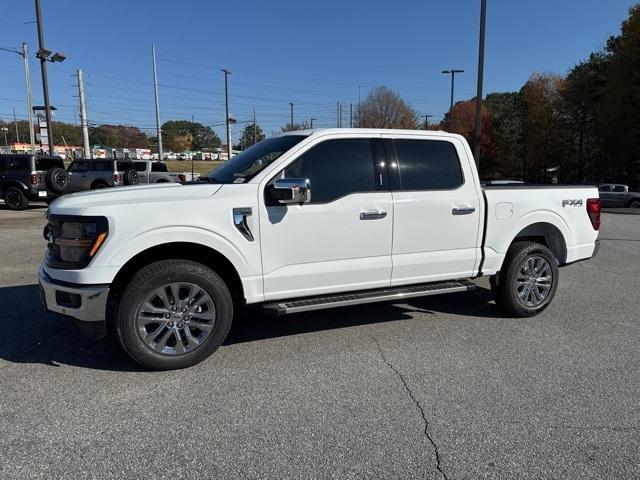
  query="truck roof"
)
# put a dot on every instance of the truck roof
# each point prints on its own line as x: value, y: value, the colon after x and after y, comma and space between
x: 372, y: 131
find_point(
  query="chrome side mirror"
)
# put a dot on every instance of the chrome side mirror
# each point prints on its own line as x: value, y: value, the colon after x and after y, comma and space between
x: 292, y: 190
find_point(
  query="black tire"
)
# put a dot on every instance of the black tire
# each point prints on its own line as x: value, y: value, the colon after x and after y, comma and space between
x: 635, y: 203
x: 57, y: 180
x: 15, y: 199
x: 130, y: 177
x: 508, y: 290
x: 155, y: 277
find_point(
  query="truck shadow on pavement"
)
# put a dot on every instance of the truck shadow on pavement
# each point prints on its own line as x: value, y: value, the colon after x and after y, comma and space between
x: 31, y: 335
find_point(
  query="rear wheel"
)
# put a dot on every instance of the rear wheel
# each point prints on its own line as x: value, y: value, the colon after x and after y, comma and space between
x: 15, y: 199
x: 528, y: 280
x: 634, y: 204
x: 173, y: 314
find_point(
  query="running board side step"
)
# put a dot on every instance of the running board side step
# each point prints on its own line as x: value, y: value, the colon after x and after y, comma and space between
x: 368, y: 296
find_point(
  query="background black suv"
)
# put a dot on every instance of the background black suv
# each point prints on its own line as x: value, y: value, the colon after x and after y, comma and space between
x: 25, y: 178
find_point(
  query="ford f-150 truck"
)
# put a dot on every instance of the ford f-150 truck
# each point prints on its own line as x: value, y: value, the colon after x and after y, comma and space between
x: 306, y: 220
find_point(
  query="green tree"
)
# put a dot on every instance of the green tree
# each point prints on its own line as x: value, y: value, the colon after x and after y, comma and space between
x: 507, y: 118
x: 179, y: 135
x: 246, y: 140
x: 290, y: 128
x: 621, y: 103
x: 543, y: 140
x: 116, y: 136
x: 581, y: 102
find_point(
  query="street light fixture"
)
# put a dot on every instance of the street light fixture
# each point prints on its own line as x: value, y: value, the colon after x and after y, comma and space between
x: 452, y: 72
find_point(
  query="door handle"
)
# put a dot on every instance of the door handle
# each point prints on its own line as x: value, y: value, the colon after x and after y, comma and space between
x: 372, y: 214
x: 463, y: 211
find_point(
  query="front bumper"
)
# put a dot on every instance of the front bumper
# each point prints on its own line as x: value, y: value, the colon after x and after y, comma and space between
x: 87, y: 303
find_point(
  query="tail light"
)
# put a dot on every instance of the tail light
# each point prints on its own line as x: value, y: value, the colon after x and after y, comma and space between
x: 182, y: 177
x: 34, y: 179
x: 593, y: 210
x: 116, y: 177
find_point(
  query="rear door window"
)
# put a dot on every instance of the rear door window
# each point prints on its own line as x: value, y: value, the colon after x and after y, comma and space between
x: 79, y: 166
x: 105, y: 166
x: 618, y: 188
x: 49, y: 163
x: 428, y: 165
x: 140, y: 166
x: 122, y: 166
x: 18, y: 163
x: 158, y: 167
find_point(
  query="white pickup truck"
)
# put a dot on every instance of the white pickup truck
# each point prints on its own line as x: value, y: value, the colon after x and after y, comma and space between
x: 153, y: 171
x: 306, y: 220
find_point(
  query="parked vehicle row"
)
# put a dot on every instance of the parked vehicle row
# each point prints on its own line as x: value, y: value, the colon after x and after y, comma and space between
x: 30, y: 178
x: 303, y: 221
x: 617, y: 195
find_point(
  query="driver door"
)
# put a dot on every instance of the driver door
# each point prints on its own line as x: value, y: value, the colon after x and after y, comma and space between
x: 339, y: 241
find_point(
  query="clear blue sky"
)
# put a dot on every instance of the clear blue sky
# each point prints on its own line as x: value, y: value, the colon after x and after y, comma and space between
x: 309, y: 53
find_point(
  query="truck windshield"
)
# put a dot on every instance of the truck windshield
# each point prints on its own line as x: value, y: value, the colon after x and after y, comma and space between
x: 247, y: 164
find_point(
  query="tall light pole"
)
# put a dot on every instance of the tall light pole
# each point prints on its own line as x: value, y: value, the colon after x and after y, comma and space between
x: 452, y: 72
x: 44, y: 56
x: 226, y: 109
x: 255, y: 127
x: 157, y: 99
x: 478, y: 132
x: 291, y: 108
x: 24, y: 53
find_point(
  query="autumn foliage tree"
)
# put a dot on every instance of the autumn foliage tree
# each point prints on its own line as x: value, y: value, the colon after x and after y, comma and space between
x: 383, y: 108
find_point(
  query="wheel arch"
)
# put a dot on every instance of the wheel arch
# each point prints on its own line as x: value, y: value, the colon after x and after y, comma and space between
x: 546, y: 234
x: 100, y: 181
x: 13, y: 183
x: 179, y: 250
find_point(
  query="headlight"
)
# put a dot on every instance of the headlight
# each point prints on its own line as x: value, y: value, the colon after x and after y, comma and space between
x: 74, y: 240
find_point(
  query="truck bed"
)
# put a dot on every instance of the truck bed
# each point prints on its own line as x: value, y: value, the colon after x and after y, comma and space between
x: 556, y: 212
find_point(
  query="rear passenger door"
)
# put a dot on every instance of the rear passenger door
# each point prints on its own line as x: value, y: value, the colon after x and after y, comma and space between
x: 436, y: 209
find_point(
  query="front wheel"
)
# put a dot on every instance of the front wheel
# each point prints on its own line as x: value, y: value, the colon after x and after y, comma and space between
x: 634, y: 204
x: 527, y: 281
x: 173, y: 314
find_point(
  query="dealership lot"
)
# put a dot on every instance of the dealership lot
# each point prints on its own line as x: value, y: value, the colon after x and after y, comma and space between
x: 443, y: 386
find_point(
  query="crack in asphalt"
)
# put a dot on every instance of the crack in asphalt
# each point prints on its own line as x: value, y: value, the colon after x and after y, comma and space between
x: 417, y: 403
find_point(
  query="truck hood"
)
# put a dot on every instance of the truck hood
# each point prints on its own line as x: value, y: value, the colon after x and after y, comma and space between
x: 75, y: 203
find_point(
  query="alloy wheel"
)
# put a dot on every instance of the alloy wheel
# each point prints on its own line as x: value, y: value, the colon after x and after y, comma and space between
x: 176, y: 318
x: 534, y: 281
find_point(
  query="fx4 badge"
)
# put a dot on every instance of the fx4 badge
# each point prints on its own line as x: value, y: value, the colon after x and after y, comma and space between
x: 572, y: 203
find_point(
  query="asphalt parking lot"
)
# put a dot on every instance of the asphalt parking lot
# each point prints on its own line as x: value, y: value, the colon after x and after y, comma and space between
x: 443, y: 387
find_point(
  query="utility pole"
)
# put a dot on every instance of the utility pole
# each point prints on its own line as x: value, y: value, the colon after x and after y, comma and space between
x: 43, y: 53
x: 311, y: 125
x: 226, y: 108
x: 453, y: 76
x: 359, y: 111
x: 255, y: 136
x: 6, y: 143
x: 338, y: 114
x: 426, y: 119
x: 155, y: 91
x: 478, y: 132
x: 83, y: 116
x: 15, y: 122
x: 27, y: 81
x: 351, y: 115
x: 291, y: 107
